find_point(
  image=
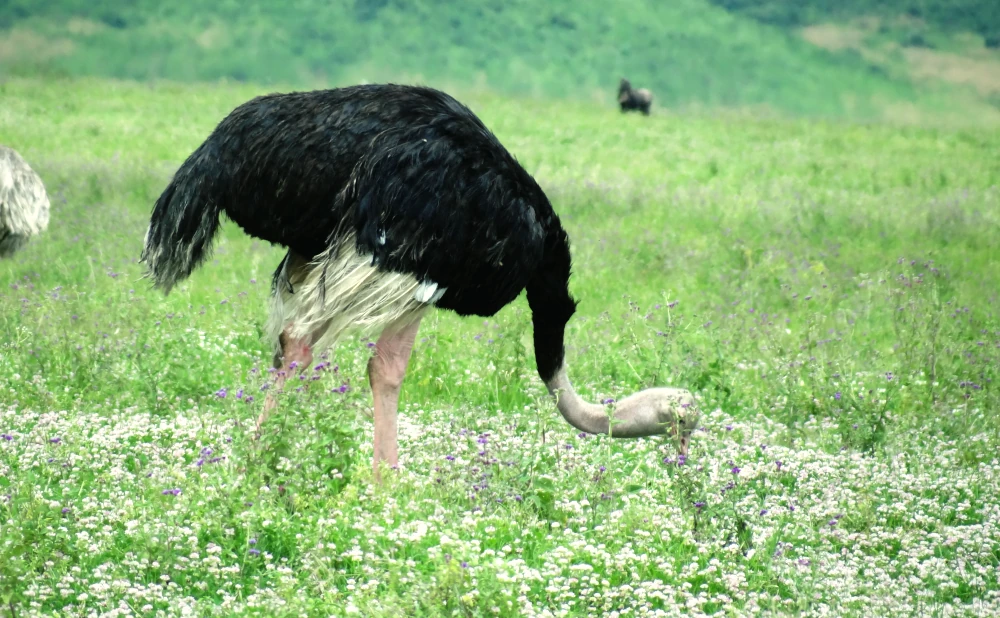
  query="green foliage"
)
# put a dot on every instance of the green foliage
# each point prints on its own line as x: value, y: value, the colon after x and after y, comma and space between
x: 980, y: 16
x: 687, y: 51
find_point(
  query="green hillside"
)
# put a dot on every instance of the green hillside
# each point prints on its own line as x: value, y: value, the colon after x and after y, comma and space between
x: 954, y: 42
x: 979, y: 16
x: 690, y: 52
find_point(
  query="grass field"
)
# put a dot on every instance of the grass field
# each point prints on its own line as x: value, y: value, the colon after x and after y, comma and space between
x: 829, y: 291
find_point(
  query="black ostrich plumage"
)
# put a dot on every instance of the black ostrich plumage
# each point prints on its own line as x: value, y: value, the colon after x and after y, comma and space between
x: 421, y: 183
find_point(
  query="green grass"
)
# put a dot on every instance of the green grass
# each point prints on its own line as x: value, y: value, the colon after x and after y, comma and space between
x: 829, y: 291
x: 691, y: 53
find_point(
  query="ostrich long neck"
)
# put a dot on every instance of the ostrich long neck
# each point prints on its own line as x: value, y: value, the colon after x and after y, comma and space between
x: 647, y: 413
x: 638, y: 415
x: 585, y: 416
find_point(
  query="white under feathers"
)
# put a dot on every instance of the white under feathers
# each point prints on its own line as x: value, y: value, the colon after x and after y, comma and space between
x: 24, y: 204
x: 340, y: 291
x: 428, y: 292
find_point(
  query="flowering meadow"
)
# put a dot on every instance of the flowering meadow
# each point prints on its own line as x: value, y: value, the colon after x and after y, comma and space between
x: 831, y: 293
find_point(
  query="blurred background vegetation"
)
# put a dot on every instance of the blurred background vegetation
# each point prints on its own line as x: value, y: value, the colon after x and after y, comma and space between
x: 893, y: 59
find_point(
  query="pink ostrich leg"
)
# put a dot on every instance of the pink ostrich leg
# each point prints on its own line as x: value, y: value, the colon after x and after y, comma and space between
x: 386, y: 371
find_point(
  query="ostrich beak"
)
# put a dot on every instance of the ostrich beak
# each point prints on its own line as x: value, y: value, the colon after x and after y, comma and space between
x: 685, y: 443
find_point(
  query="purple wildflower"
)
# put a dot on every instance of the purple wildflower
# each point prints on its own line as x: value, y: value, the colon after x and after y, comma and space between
x: 763, y: 512
x: 779, y: 464
x: 699, y: 505
x: 254, y: 552
x: 239, y: 394
x: 465, y: 564
x: 608, y: 400
x: 171, y: 492
x: 450, y: 457
x: 221, y: 393
x: 55, y: 440
x: 837, y: 395
x: 736, y: 470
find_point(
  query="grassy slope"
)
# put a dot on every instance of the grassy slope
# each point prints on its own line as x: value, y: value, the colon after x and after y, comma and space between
x: 924, y: 41
x: 979, y: 16
x: 781, y: 240
x: 687, y: 51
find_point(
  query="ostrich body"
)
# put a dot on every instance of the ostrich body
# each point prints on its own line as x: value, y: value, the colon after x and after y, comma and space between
x: 24, y: 204
x: 390, y: 199
x: 631, y: 100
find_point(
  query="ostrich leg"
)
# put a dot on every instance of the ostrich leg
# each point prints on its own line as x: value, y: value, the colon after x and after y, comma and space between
x: 386, y: 371
x: 296, y: 354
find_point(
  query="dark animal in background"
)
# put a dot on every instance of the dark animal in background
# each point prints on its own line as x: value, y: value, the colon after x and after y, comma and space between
x: 391, y: 200
x: 631, y: 100
x: 24, y: 204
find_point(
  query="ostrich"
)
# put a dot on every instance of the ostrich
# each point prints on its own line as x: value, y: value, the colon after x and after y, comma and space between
x: 391, y: 200
x: 24, y: 205
x: 630, y: 99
